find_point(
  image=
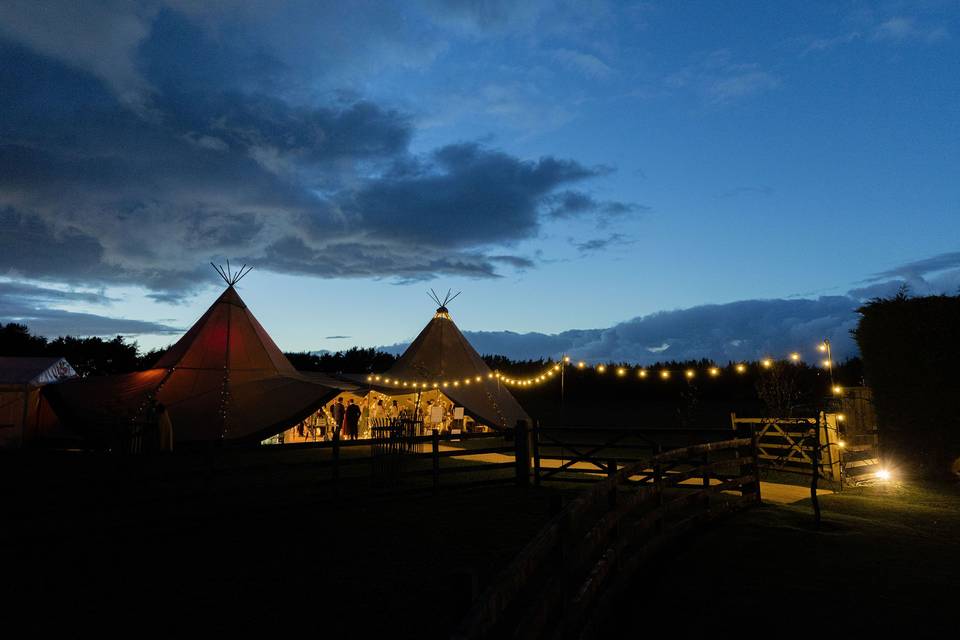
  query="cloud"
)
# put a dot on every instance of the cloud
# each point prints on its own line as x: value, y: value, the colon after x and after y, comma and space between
x: 936, y: 275
x: 721, y: 80
x: 571, y: 203
x: 826, y: 44
x: 743, y: 330
x: 893, y: 30
x: 29, y: 304
x: 602, y: 244
x: 584, y: 63
x: 747, y: 191
x: 904, y: 28
x: 227, y: 152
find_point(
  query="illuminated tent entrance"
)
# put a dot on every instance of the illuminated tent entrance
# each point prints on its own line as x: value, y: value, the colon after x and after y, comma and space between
x: 426, y: 410
x: 224, y: 380
x: 440, y: 382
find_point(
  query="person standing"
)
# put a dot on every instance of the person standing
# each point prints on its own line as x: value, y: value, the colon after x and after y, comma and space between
x: 352, y: 423
x: 337, y: 412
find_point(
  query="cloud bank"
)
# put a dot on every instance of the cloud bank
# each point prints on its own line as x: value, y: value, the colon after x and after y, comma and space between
x: 742, y: 330
x: 140, y: 141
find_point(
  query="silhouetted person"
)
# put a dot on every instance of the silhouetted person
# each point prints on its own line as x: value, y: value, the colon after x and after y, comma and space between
x: 338, y: 411
x: 352, y: 423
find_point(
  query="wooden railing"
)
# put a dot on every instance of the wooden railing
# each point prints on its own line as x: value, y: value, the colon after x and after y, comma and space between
x: 564, y: 580
x: 397, y: 457
x: 579, y: 454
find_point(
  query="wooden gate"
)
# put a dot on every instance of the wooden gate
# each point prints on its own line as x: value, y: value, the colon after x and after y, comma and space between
x: 791, y: 444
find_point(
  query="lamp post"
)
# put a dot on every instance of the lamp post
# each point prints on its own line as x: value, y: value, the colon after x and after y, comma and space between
x: 825, y: 347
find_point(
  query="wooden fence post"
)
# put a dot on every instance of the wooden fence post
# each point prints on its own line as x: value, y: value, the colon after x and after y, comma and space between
x: 535, y: 444
x: 706, y: 478
x: 435, y: 450
x: 521, y: 443
x: 336, y: 458
x: 658, y: 483
x: 755, y: 467
x: 611, y: 477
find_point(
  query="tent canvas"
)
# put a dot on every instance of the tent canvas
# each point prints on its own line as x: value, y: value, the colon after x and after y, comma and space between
x: 225, y: 379
x: 441, y: 352
x: 23, y: 413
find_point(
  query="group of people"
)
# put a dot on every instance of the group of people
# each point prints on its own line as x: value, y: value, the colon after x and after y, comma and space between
x: 355, y: 417
x: 347, y: 417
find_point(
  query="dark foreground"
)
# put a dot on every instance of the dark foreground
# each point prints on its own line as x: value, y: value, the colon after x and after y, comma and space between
x: 94, y: 547
x: 884, y: 559
x: 99, y: 544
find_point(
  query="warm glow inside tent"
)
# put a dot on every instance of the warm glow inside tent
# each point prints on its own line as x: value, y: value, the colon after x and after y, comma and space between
x: 443, y: 364
x: 225, y: 379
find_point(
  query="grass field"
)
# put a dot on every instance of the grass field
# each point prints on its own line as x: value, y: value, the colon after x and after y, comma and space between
x: 886, y: 557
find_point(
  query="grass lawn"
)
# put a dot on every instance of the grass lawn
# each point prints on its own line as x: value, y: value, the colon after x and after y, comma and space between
x: 885, y: 557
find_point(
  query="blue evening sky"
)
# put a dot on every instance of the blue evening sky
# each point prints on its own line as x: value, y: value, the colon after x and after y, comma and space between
x: 568, y: 166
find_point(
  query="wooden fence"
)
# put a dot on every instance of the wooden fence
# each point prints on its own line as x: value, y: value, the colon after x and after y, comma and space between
x: 581, y: 454
x: 792, y: 444
x: 564, y: 581
x: 396, y: 455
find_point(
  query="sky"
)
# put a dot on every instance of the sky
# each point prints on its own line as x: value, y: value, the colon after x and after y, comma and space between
x: 614, y: 180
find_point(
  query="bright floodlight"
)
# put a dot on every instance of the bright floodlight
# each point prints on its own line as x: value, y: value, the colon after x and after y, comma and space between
x: 883, y: 474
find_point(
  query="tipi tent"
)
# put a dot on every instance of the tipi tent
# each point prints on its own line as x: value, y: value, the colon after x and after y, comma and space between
x: 442, y: 354
x: 225, y: 379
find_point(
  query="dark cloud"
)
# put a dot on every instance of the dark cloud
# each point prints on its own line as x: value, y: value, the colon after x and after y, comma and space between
x: 939, y: 274
x: 601, y: 244
x: 933, y: 264
x: 183, y: 137
x: 29, y: 304
x: 569, y: 204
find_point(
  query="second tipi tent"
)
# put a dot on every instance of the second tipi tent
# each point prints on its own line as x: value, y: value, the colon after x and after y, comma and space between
x: 442, y: 354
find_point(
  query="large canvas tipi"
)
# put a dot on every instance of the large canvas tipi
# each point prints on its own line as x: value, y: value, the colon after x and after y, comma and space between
x: 225, y: 379
x: 441, y: 353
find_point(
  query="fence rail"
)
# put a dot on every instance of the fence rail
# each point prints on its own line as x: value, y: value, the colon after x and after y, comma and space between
x: 568, y: 453
x: 564, y: 580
